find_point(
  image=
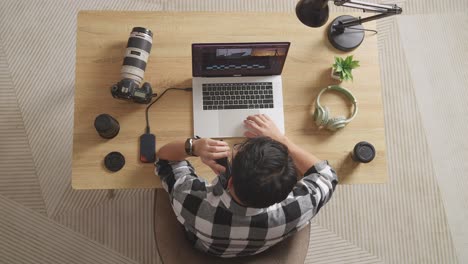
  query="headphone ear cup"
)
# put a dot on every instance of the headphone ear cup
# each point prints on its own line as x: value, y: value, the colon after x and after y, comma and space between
x: 321, y: 116
x: 336, y: 123
x: 315, y: 116
x: 325, y: 116
x: 318, y: 113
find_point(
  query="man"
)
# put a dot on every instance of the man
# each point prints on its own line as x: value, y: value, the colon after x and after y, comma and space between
x: 258, y: 203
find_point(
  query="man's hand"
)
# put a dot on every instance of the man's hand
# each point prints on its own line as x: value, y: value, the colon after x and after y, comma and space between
x: 262, y: 125
x: 209, y: 150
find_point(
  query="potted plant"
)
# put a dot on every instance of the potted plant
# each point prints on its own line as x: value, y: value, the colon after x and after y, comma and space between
x: 342, y: 69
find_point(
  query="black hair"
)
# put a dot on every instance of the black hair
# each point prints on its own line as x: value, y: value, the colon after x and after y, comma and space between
x: 263, y: 172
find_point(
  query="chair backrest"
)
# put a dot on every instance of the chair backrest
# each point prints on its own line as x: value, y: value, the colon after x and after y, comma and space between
x: 174, y: 248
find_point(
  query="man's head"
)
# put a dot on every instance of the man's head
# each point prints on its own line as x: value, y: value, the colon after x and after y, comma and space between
x: 263, y: 173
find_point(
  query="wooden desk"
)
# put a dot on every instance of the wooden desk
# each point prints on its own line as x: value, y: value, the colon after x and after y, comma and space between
x: 101, y: 43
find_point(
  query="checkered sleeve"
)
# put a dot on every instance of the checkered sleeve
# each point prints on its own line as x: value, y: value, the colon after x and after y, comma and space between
x: 178, y: 176
x: 321, y: 181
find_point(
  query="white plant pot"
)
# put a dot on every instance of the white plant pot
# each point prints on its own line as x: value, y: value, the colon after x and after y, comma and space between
x: 335, y: 75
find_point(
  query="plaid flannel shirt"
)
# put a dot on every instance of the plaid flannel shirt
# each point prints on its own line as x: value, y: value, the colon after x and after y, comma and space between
x: 219, y: 226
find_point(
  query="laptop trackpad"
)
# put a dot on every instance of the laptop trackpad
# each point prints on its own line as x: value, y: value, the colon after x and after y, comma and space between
x: 231, y: 122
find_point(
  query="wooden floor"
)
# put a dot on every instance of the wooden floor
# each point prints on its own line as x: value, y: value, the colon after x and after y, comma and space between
x: 42, y: 220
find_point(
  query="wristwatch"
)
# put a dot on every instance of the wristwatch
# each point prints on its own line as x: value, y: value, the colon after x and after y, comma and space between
x: 189, y: 146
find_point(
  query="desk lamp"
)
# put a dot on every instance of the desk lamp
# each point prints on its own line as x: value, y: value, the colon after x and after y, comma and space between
x: 345, y: 32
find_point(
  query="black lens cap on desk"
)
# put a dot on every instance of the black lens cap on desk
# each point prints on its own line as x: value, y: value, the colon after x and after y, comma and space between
x: 363, y: 152
x: 114, y: 161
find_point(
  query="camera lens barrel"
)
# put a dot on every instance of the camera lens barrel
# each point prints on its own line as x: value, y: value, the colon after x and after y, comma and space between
x: 137, y: 53
x: 106, y: 126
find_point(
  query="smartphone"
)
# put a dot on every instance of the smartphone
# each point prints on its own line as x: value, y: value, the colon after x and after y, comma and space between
x: 147, y: 148
x: 224, y: 162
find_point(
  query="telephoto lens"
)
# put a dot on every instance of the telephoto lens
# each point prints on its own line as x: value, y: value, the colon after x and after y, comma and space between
x: 136, y: 56
x: 133, y: 69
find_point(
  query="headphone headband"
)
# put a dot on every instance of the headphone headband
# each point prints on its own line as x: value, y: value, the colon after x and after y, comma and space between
x: 344, y: 91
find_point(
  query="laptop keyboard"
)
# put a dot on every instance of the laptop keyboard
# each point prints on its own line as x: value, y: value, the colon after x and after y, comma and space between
x: 227, y: 96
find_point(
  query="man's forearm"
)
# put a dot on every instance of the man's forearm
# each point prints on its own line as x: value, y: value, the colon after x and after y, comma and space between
x: 207, y: 149
x: 174, y: 151
x: 302, y: 159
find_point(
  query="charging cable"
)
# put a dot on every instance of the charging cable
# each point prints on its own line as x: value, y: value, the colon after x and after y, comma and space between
x: 148, y: 140
x: 189, y: 89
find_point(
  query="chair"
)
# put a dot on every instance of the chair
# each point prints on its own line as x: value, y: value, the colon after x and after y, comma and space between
x: 173, y: 248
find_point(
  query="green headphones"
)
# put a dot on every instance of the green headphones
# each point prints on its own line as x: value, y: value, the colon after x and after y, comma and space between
x: 322, y: 114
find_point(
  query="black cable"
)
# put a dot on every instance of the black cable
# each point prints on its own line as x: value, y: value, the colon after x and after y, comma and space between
x: 157, y: 98
x: 363, y: 29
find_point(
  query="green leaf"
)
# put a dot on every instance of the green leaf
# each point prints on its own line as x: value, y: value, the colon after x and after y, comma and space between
x: 346, y: 75
x: 340, y: 73
x: 341, y: 61
x: 349, y: 59
x: 354, y: 64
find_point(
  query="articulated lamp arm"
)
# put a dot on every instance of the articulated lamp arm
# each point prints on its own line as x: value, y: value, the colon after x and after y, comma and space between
x: 383, y: 10
x: 344, y: 32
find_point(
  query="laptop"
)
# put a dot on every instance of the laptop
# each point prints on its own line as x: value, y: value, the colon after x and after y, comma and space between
x: 234, y: 80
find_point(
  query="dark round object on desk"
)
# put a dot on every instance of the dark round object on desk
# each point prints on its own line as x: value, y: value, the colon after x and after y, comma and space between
x: 114, y: 161
x: 363, y: 152
x: 346, y: 39
x: 106, y: 126
x: 312, y: 13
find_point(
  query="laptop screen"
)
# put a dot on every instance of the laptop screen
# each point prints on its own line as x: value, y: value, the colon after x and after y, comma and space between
x: 238, y: 59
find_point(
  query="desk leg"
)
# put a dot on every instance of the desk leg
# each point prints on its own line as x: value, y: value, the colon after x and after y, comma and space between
x: 110, y: 193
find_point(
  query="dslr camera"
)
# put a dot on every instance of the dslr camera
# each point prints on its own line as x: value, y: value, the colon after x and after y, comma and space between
x: 133, y: 69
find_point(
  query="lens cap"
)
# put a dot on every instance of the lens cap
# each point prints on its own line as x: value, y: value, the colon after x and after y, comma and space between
x: 114, y: 161
x: 364, y: 152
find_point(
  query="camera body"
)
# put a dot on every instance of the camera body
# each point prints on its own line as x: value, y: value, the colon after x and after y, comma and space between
x: 129, y: 89
x: 133, y: 69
